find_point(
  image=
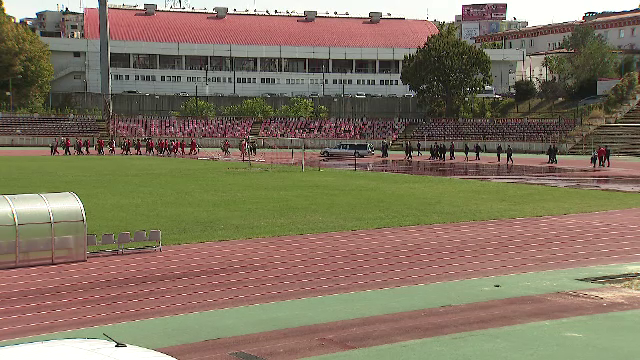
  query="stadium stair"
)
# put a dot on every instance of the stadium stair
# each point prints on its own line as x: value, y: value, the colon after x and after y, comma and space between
x: 623, y: 137
x: 404, y: 136
x: 255, y: 128
x: 102, y: 128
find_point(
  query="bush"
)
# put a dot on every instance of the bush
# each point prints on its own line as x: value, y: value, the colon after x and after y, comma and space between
x: 197, y: 107
x: 552, y: 90
x: 624, y: 90
x: 525, y: 90
x: 504, y: 107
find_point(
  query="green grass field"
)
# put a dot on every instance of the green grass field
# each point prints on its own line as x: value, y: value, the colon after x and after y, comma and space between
x: 197, y: 201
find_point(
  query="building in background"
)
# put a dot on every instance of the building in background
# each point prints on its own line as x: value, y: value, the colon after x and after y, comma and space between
x: 621, y: 29
x: 223, y: 53
x: 58, y: 24
x: 483, y: 19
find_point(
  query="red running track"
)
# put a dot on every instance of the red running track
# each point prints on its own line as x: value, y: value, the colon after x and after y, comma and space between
x: 191, y: 278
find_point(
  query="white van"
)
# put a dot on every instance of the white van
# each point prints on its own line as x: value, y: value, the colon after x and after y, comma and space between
x: 357, y: 149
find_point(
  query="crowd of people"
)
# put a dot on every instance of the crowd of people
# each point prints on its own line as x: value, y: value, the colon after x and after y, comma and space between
x: 438, y: 152
x: 164, y: 147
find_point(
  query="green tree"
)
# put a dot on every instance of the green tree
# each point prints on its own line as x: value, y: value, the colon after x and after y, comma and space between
x: 298, y: 107
x: 26, y: 61
x: 525, y: 90
x: 197, y: 107
x: 627, y: 65
x: 492, y: 45
x: 445, y: 72
x: 321, y: 112
x: 256, y: 107
x: 551, y: 90
x: 591, y: 58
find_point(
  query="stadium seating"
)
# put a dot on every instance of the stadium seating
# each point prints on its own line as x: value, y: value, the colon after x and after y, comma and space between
x: 219, y: 127
x: 333, y: 128
x: 48, y: 126
x: 527, y: 130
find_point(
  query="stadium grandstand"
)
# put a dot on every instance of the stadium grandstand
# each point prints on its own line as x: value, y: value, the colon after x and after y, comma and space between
x: 394, y: 130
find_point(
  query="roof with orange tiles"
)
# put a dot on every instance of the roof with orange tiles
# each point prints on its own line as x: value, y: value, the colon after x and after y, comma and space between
x: 259, y: 30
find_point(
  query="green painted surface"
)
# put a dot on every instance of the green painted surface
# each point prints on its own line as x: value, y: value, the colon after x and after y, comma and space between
x: 597, y: 337
x: 190, y: 328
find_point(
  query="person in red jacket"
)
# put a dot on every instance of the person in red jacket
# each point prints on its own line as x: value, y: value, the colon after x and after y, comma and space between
x: 86, y: 146
x: 151, y: 148
x: 182, y: 146
x: 601, y: 153
x: 193, y: 147
x: 138, y: 147
x: 176, y: 146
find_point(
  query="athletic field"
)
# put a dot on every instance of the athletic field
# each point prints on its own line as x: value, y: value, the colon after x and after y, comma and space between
x: 334, y: 263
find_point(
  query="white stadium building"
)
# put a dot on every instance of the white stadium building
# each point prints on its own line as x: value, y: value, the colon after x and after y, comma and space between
x: 224, y: 53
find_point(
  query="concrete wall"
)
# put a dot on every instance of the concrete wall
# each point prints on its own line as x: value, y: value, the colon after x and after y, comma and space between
x: 384, y: 107
x: 604, y: 86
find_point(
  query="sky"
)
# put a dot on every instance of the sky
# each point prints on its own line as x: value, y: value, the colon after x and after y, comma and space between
x: 542, y: 12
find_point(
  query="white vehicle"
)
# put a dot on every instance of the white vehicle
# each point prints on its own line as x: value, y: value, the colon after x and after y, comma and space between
x: 354, y: 149
x: 361, y: 95
x: 182, y: 93
x: 80, y: 349
x: 489, y: 92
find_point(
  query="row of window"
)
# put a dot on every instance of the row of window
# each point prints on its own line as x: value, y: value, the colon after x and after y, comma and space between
x: 243, y: 80
x: 558, y: 44
x: 220, y: 63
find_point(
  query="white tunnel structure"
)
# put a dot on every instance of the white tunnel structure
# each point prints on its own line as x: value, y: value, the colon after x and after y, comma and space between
x: 42, y: 229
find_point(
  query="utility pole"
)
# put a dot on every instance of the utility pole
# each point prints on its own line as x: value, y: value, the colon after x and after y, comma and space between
x: 105, y: 64
x: 323, y: 80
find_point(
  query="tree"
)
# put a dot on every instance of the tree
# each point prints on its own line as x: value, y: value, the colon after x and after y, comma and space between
x: 197, y: 107
x: 445, y: 72
x: 321, y: 112
x: 551, y: 90
x: 26, y: 61
x: 492, y: 45
x: 525, y: 90
x: 256, y: 107
x: 298, y: 107
x: 627, y: 65
x: 591, y: 58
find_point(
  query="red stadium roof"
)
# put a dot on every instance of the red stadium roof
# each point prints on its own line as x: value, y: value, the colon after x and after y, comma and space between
x: 260, y: 30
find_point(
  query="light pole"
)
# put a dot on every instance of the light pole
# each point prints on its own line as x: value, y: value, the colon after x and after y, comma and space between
x: 11, y: 90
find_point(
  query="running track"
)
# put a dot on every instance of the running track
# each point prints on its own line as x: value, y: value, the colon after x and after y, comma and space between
x: 200, y: 277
